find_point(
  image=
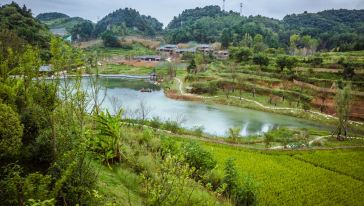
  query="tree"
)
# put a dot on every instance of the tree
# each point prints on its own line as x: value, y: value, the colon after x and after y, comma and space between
x: 109, y: 39
x: 261, y: 59
x: 293, y: 42
x: 281, y: 62
x: 241, y: 54
x: 291, y: 62
x: 225, y: 38
x: 192, y: 66
x: 349, y: 71
x: 310, y: 44
x: 11, y: 132
x: 343, y: 106
x: 29, y: 65
x: 286, y: 62
x: 259, y: 45
x: 247, y: 41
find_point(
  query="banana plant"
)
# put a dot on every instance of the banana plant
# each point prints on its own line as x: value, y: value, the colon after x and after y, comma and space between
x: 109, y: 136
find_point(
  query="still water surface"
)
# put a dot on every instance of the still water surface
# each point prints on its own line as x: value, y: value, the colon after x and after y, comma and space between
x: 214, y: 119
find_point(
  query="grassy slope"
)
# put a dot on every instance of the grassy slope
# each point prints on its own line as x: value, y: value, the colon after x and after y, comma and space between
x: 67, y: 23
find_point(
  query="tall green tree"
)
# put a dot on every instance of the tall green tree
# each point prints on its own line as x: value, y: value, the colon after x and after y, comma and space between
x: 343, y: 109
x: 226, y: 38
x: 11, y: 132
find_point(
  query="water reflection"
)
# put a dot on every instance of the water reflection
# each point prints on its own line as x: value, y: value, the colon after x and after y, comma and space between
x: 215, y: 119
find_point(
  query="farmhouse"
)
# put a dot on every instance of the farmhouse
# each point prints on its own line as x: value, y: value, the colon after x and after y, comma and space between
x: 170, y: 48
x: 188, y: 50
x: 205, y: 48
x: 148, y: 58
x: 224, y: 54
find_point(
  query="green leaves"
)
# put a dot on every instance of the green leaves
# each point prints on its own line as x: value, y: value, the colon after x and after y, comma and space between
x: 11, y: 132
x: 198, y: 158
x: 108, y: 140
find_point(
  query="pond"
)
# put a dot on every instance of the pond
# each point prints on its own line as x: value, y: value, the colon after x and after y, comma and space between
x: 214, y: 119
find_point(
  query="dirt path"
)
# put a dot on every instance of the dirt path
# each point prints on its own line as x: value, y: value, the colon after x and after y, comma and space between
x: 181, y: 90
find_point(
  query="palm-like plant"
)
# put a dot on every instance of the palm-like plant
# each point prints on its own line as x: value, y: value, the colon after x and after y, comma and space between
x: 109, y: 136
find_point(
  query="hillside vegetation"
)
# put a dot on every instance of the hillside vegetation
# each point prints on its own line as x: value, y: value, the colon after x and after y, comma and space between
x: 128, y: 21
x: 335, y: 29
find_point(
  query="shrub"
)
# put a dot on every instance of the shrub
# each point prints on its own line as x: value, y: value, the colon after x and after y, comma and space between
x: 11, y: 132
x: 261, y: 59
x: 240, y: 193
x: 198, y: 131
x: 268, y: 138
x: 198, y: 158
x: 316, y: 61
x: 231, y: 177
x: 109, y: 39
x: 168, y: 146
x: 155, y: 122
x: 172, y: 126
x: 234, y: 134
x: 214, y: 178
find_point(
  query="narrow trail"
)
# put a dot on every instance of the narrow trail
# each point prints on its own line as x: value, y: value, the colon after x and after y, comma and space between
x: 237, y: 145
x: 327, y: 116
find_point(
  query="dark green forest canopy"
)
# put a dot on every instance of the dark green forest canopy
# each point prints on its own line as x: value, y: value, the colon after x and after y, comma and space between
x: 21, y: 22
x: 334, y: 28
x: 129, y: 21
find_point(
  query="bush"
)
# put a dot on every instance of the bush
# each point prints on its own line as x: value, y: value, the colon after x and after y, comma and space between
x: 172, y: 126
x: 198, y: 158
x: 261, y: 60
x: 316, y: 61
x: 240, y: 193
x: 234, y: 134
x: 109, y: 39
x: 214, y: 178
x: 168, y: 146
x: 11, y: 132
x: 204, y: 88
x: 240, y: 54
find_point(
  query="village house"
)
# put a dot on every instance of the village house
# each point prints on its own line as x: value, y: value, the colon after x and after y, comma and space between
x: 204, y: 48
x: 223, y: 54
x: 170, y: 48
x: 187, y: 50
x: 148, y: 58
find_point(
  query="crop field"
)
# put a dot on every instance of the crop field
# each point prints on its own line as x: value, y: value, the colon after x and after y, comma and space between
x: 300, y: 178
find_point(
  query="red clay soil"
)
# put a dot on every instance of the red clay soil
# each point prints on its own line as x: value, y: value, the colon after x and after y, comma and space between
x: 357, y: 107
x: 173, y: 94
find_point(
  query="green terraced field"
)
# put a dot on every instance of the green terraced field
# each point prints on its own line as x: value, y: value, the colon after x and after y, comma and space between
x: 300, y: 178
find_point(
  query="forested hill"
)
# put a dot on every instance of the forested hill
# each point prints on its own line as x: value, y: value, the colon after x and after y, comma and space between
x: 51, y: 16
x: 343, y: 29
x: 128, y: 21
x: 18, y: 27
x: 190, y: 15
x: 62, y: 24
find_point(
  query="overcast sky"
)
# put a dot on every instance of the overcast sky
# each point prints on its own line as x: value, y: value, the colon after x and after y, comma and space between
x: 165, y: 10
